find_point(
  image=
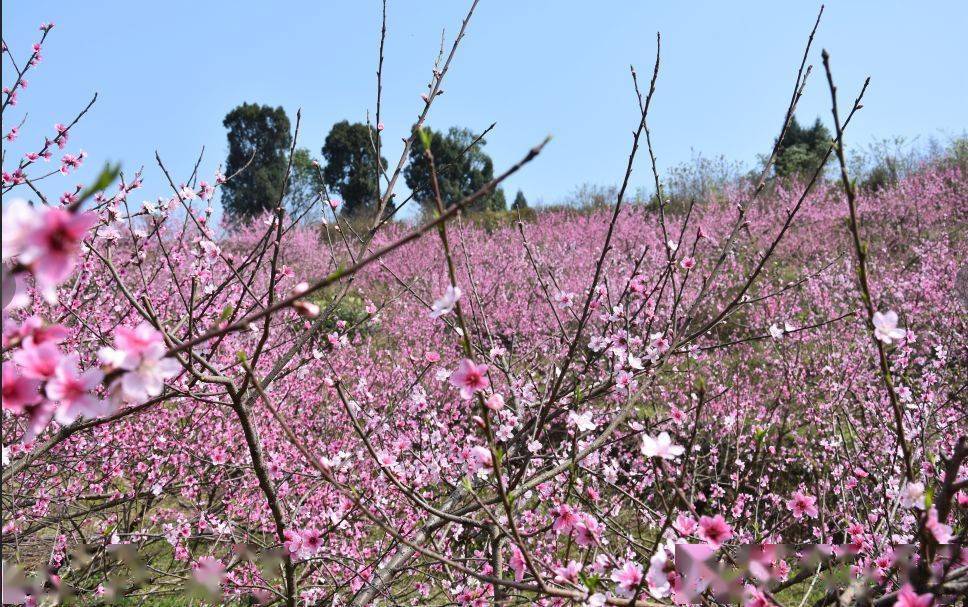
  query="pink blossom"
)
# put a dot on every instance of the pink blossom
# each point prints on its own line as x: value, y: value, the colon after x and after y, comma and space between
x: 628, y: 578
x: 211, y: 251
x: 661, y: 447
x: 143, y: 340
x: 885, y: 327
x: 51, y: 245
x: 208, y: 571
x: 205, y: 191
x: 186, y: 193
x: 33, y: 331
x: 38, y: 418
x: 71, y: 390
x: 517, y: 563
x: 581, y: 421
x: 565, y: 519
x: 19, y: 392
x: 569, y: 573
x: 656, y: 577
x: 755, y: 410
x: 446, y: 304
x: 912, y: 496
x: 494, y: 402
x: 761, y: 558
x: 19, y: 221
x: 907, y: 597
x: 38, y: 362
x: 714, y: 530
x: 479, y: 459
x: 140, y: 353
x: 588, y: 531
x: 14, y: 292
x: 386, y: 459
x: 802, y: 504
x: 70, y: 161
x: 312, y: 541
x: 756, y: 598
x: 941, y: 532
x: 625, y: 381
x: 685, y: 525
x: 597, y: 600
x: 470, y: 378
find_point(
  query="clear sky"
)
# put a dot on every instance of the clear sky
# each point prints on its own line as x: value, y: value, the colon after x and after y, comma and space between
x: 167, y: 73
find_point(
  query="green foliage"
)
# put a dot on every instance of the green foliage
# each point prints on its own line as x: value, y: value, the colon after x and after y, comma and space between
x: 105, y: 178
x: 589, y: 196
x: 802, y: 150
x: 305, y: 185
x: 881, y: 177
x: 462, y: 168
x: 489, y: 220
x: 261, y: 133
x: 349, y: 308
x: 520, y: 202
x: 351, y: 167
x: 957, y: 154
x: 883, y: 163
x: 700, y: 180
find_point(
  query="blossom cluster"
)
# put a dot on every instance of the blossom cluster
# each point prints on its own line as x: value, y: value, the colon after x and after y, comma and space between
x: 521, y: 410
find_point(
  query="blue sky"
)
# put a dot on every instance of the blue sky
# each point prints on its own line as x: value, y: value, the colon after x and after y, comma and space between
x: 167, y: 73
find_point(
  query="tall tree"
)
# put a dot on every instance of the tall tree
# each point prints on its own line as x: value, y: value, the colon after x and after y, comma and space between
x: 520, y: 202
x: 305, y: 186
x: 262, y: 133
x: 462, y: 168
x: 802, y: 150
x: 351, y: 167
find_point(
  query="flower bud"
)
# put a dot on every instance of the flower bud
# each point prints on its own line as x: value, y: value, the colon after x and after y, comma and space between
x: 306, y: 308
x: 494, y: 402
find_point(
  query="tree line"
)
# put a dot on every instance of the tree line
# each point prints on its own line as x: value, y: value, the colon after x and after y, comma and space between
x: 259, y: 143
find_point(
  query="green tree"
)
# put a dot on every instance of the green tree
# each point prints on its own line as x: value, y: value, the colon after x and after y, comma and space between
x: 520, y: 202
x: 802, y: 150
x: 351, y: 167
x: 462, y: 168
x: 305, y: 186
x: 261, y: 133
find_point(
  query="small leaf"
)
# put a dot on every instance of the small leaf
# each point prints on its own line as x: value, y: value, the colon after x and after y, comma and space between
x: 107, y: 176
x: 424, y: 138
x: 590, y: 581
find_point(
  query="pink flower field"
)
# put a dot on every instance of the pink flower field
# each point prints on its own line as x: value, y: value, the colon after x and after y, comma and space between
x: 569, y: 406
